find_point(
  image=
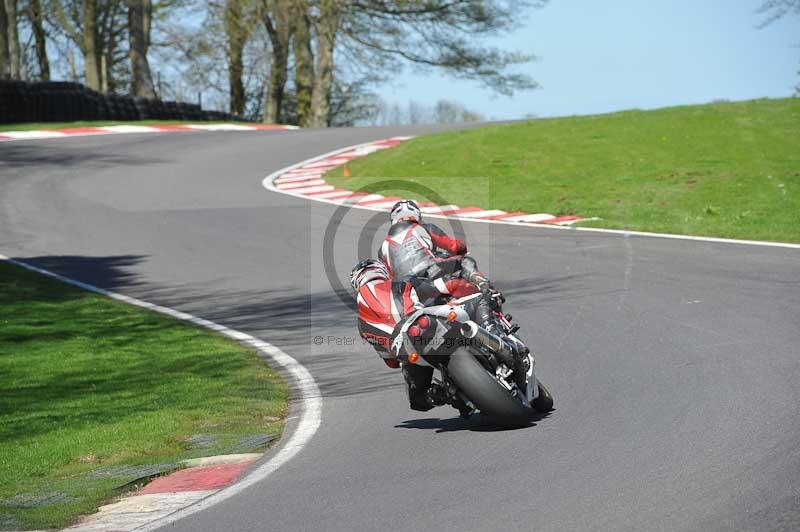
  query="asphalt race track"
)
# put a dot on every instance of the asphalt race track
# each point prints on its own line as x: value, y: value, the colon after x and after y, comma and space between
x: 674, y: 364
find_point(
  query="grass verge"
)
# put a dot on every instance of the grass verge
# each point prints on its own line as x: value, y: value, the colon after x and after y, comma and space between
x: 724, y: 169
x: 33, y: 126
x: 89, y: 385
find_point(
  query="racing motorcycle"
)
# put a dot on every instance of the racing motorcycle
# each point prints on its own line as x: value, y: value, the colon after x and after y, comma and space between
x: 490, y: 373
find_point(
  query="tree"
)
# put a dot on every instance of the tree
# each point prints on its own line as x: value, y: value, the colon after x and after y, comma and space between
x: 442, y: 34
x: 238, y: 25
x: 776, y: 9
x: 447, y: 112
x: 99, y: 29
x: 303, y: 61
x: 80, y: 21
x: 112, y: 36
x: 326, y: 26
x: 13, y: 38
x: 5, y: 59
x: 139, y: 21
x: 351, y: 103
x: 430, y: 34
x: 277, y: 15
x: 36, y: 19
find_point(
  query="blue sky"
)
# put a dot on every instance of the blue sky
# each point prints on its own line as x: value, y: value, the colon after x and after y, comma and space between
x: 597, y: 57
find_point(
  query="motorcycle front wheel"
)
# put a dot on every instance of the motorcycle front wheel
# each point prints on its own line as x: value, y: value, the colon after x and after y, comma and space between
x: 481, y: 387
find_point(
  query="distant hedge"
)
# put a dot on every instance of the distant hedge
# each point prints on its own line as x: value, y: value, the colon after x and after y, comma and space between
x: 61, y: 101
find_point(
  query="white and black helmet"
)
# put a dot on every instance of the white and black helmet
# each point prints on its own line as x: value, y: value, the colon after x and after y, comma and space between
x: 405, y: 210
x: 368, y: 270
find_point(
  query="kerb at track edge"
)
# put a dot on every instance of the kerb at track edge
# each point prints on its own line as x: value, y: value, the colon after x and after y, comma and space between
x: 307, y: 403
x: 267, y: 182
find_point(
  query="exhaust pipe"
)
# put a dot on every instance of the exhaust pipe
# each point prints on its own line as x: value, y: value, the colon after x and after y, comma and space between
x: 472, y: 331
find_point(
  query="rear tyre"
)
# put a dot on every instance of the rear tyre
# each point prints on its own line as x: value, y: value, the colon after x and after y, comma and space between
x: 543, y: 403
x: 491, y: 398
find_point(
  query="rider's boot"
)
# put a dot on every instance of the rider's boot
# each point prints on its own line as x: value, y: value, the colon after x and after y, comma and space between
x: 486, y: 317
x: 464, y: 410
x: 417, y: 385
x: 436, y: 395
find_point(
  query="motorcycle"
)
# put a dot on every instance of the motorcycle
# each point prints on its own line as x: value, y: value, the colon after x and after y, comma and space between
x: 490, y: 373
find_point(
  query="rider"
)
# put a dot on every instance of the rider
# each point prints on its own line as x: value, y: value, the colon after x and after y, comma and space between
x: 409, y: 251
x: 382, y: 303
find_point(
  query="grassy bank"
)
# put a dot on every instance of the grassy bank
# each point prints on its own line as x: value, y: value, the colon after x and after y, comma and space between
x: 726, y: 169
x: 33, y: 126
x: 89, y: 385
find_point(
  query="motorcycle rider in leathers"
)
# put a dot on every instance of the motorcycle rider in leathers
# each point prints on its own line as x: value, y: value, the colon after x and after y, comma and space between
x: 409, y: 250
x: 382, y: 304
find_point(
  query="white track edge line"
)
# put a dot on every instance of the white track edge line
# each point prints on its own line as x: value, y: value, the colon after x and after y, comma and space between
x: 101, y: 132
x: 267, y: 183
x: 310, y: 399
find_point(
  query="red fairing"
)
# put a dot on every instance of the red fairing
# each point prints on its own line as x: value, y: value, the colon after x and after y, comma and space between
x: 377, y: 307
x: 441, y: 240
x: 460, y: 288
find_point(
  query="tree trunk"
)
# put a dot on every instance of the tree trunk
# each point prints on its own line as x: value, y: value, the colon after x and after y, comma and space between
x: 278, y: 25
x: 5, y: 60
x: 104, y: 73
x: 138, y: 18
x: 303, y: 63
x: 91, y: 52
x: 147, y: 22
x: 326, y: 25
x: 35, y: 15
x: 13, y: 38
x: 235, y: 28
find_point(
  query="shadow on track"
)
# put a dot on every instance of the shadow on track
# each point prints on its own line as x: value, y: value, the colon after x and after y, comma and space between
x: 109, y: 272
x: 476, y: 423
x: 291, y: 318
x: 16, y: 156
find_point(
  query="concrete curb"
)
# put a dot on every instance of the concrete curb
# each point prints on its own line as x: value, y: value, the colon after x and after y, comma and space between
x: 305, y: 180
x: 9, y: 136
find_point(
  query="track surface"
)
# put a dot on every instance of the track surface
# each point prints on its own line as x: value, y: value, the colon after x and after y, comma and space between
x: 674, y: 364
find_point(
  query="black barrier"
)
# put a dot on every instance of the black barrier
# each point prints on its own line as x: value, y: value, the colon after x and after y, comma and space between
x: 63, y: 101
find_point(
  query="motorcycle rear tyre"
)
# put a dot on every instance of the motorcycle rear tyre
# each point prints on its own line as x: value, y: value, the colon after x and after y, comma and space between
x: 543, y: 403
x: 491, y: 398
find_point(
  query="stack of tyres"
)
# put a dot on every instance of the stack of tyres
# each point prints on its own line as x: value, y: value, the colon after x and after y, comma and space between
x: 12, y: 101
x: 57, y: 105
x: 130, y: 109
x: 114, y: 110
x: 71, y: 108
x: 90, y: 102
x: 5, y: 107
x: 141, y: 108
x: 103, y: 112
x: 31, y: 103
x: 59, y: 101
x: 6, y: 104
x: 162, y: 109
x: 172, y: 110
x: 192, y: 112
x: 78, y: 97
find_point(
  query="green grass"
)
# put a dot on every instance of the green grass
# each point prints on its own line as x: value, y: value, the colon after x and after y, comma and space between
x: 33, y: 126
x: 724, y: 169
x: 87, y: 382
